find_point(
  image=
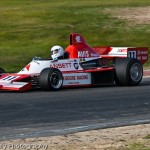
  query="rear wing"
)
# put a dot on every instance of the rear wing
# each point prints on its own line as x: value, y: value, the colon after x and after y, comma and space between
x: 140, y: 53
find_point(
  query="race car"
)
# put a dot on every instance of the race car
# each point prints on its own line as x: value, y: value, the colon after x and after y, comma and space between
x: 85, y: 66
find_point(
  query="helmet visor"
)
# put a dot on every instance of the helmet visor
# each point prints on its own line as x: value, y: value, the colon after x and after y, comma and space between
x: 55, y: 51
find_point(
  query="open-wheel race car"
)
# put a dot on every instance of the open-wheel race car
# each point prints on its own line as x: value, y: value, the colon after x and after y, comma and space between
x: 83, y: 66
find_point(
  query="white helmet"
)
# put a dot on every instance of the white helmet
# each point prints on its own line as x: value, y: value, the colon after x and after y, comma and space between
x: 57, y: 51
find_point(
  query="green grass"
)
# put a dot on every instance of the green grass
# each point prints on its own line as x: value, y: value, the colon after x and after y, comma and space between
x: 143, y: 145
x: 138, y: 146
x: 31, y: 28
x: 147, y: 137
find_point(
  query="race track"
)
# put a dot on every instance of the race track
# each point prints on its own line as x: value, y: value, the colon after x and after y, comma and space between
x: 38, y: 113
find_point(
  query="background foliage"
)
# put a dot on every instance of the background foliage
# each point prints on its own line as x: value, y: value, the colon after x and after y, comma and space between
x: 30, y: 28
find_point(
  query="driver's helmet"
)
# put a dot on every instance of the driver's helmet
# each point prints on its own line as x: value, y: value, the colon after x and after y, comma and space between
x: 57, y: 52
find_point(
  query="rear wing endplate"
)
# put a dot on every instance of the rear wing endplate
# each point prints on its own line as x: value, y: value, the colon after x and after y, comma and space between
x: 140, y: 53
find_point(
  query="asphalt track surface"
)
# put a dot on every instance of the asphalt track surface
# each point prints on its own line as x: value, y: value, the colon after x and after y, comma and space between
x: 38, y: 113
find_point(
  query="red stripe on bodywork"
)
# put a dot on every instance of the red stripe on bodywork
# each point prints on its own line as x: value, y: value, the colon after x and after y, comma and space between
x: 28, y: 67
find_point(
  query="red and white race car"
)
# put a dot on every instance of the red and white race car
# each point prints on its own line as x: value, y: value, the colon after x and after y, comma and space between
x: 84, y: 66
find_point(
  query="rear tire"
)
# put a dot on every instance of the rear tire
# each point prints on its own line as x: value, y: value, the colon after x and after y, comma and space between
x: 128, y: 71
x: 50, y: 79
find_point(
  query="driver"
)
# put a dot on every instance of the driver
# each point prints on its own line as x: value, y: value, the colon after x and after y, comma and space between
x: 57, y: 52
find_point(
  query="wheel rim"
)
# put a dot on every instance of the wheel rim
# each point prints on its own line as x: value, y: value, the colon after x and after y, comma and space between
x: 136, y: 72
x: 56, y: 80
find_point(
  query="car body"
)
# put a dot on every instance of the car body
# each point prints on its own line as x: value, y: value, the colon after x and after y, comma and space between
x: 84, y: 66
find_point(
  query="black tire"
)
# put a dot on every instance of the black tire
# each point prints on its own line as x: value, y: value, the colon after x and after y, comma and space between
x: 50, y: 79
x: 1, y: 71
x: 128, y: 71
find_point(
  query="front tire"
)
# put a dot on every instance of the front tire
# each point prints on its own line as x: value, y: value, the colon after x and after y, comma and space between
x: 128, y: 71
x: 50, y: 79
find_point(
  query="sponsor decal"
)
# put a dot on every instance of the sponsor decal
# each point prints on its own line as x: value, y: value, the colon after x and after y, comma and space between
x: 82, y: 77
x: 76, y: 65
x: 78, y: 39
x: 118, y: 51
x: 76, y: 77
x: 142, y: 52
x: 144, y: 57
x: 83, y: 54
x: 94, y: 55
x: 61, y: 65
x: 122, y: 50
x: 69, y: 77
x: 73, y: 83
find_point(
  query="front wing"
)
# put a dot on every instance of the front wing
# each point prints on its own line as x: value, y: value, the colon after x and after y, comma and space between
x: 14, y: 82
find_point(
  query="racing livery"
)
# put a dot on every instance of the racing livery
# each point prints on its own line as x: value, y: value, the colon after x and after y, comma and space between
x: 84, y: 66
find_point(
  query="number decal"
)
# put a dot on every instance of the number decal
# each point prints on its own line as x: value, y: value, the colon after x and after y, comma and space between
x: 10, y: 78
x: 132, y: 54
